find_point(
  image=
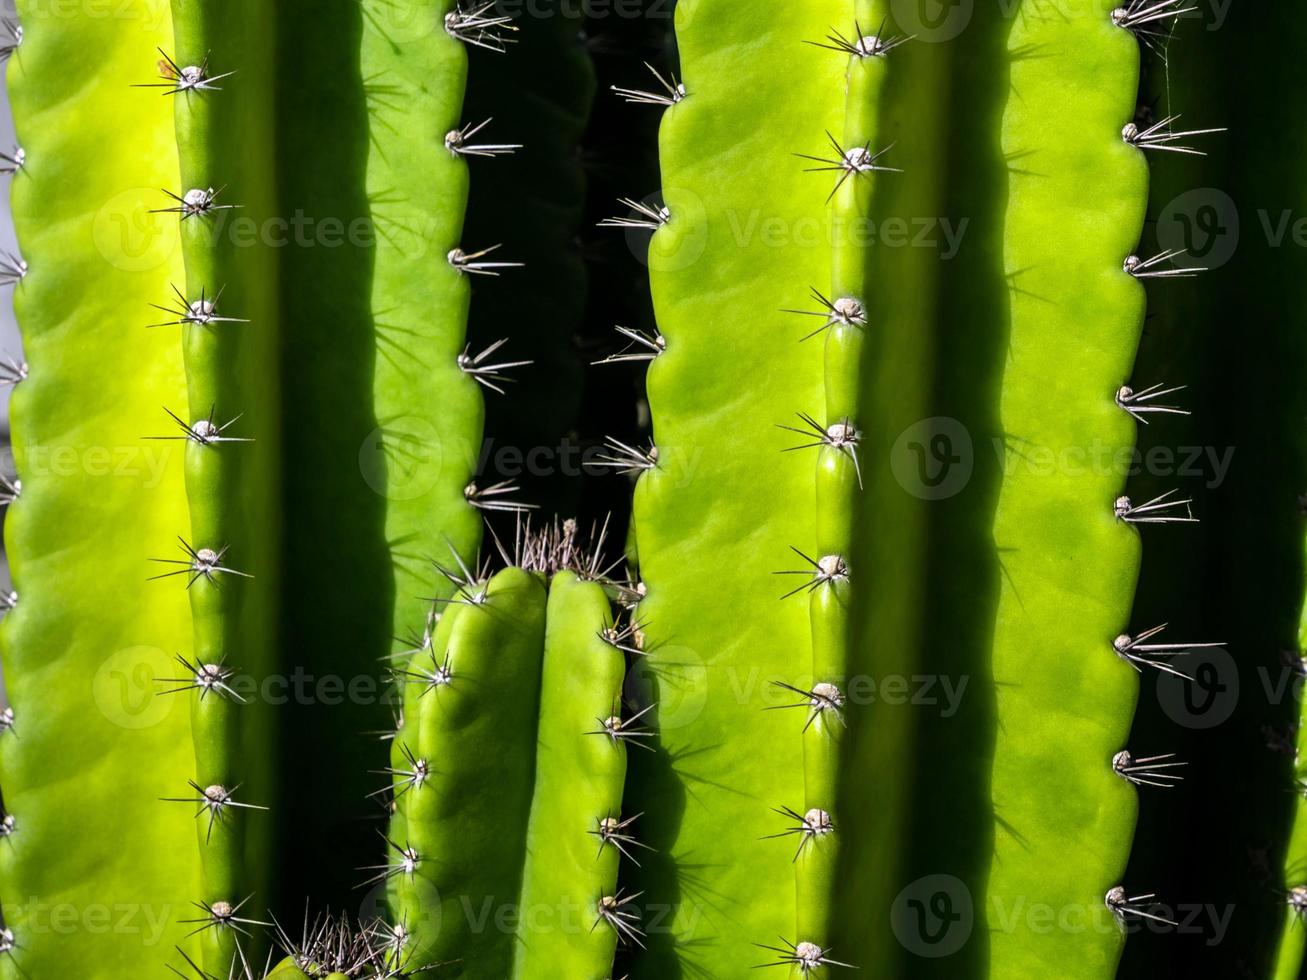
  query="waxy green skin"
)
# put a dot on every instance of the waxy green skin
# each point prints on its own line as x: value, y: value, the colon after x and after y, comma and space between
x: 468, y: 830
x: 532, y: 681
x: 708, y: 540
x: 225, y: 142
x: 85, y: 648
x: 380, y: 422
x: 579, y: 778
x: 1064, y: 699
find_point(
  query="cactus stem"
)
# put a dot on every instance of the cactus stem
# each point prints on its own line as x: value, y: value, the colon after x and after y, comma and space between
x: 1137, y: 402
x: 203, y: 431
x: 192, y: 78
x: 673, y: 91
x: 647, y: 216
x: 222, y: 915
x: 492, y: 497
x: 822, y: 698
x: 1159, y: 137
x: 13, y: 162
x: 1139, y: 654
x: 809, y: 826
x: 1137, y: 13
x: 622, y: 732
x: 851, y: 162
x: 808, y: 957
x: 1122, y: 906
x: 214, y: 800
x: 1162, y: 509
x: 862, y: 45
x: 627, y: 459
x: 1147, y: 268
x: 472, y: 26
x: 204, y: 678
x: 825, y: 570
x: 201, y: 312
x: 615, y: 911
x: 488, y: 375
x: 1147, y: 772
x: 469, y: 262
x: 654, y: 344
x: 197, y: 202
x: 842, y: 435
x: 845, y: 311
x: 613, y: 832
x: 13, y: 270
x: 204, y: 563
x: 407, y: 864
x: 456, y: 142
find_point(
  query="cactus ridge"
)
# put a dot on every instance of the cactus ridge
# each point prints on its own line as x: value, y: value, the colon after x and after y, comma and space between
x: 518, y: 665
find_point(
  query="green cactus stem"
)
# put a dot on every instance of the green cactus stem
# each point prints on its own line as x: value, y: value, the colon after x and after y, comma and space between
x: 744, y: 240
x: 89, y: 748
x: 516, y: 875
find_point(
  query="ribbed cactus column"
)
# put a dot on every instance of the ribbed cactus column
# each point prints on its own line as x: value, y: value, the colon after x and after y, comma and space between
x: 1065, y: 656
x: 86, y: 747
x: 227, y: 319
x: 857, y: 160
x: 716, y: 511
x: 514, y: 874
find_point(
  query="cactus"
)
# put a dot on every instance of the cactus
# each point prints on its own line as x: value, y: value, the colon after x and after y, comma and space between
x: 713, y: 760
x: 84, y: 741
x: 515, y: 875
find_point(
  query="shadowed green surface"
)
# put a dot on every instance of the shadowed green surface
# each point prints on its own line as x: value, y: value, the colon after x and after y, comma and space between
x: 93, y: 748
x: 380, y: 424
